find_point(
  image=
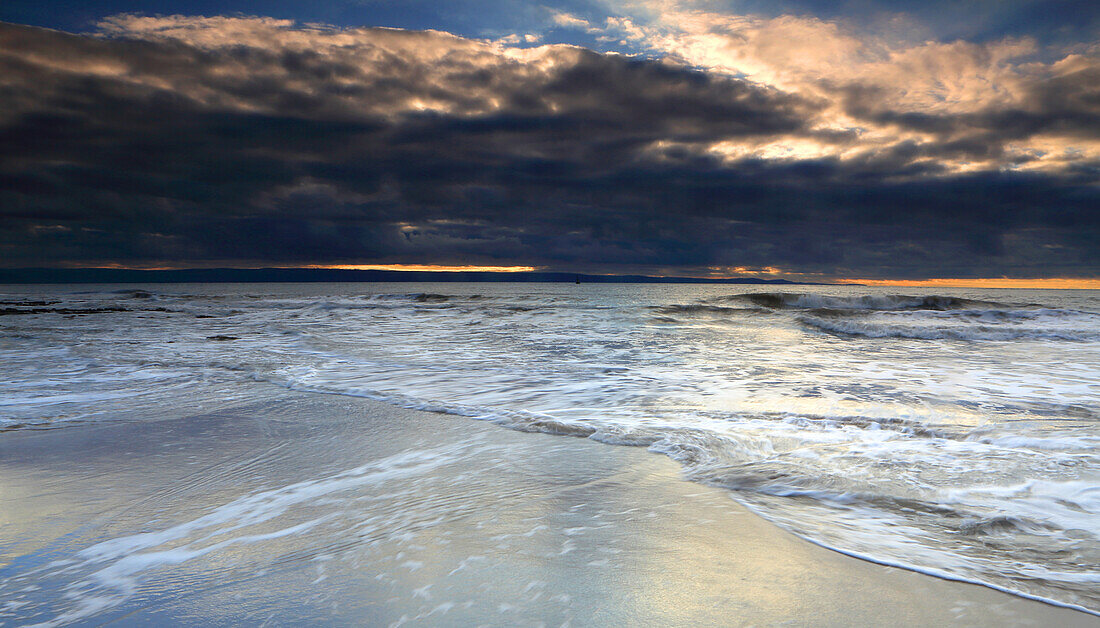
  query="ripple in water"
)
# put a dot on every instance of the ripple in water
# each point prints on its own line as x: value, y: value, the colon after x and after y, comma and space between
x: 954, y: 433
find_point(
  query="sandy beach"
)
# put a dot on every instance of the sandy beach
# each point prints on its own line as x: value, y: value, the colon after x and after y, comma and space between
x: 335, y: 510
x: 554, y: 313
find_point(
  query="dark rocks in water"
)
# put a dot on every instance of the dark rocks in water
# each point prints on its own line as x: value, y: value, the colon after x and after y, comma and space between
x: 222, y: 337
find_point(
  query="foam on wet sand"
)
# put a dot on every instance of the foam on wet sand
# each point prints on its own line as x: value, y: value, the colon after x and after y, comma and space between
x: 311, y: 508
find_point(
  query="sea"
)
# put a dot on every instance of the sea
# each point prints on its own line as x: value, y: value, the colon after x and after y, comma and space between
x: 954, y: 432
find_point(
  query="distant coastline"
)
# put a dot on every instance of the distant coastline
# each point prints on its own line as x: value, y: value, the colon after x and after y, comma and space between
x: 314, y: 275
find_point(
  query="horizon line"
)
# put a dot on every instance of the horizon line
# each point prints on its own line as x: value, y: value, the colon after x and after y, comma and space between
x: 1054, y: 283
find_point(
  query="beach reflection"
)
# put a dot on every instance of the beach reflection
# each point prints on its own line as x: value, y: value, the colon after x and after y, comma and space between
x: 356, y: 513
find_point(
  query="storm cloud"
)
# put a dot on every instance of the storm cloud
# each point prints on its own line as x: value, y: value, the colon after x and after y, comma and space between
x: 254, y: 141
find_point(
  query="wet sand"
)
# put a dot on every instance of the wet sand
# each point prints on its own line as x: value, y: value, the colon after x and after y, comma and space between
x: 335, y: 510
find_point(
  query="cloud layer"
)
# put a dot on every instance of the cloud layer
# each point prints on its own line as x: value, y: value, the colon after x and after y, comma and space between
x: 736, y: 142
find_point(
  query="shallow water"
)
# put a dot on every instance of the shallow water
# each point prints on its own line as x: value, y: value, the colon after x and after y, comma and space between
x: 952, y: 432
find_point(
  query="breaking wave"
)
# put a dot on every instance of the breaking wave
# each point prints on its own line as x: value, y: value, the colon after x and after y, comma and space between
x: 885, y: 302
x: 702, y: 308
x: 975, y: 464
x: 874, y: 329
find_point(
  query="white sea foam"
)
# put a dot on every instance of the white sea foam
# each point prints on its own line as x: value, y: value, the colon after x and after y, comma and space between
x: 952, y: 433
x: 922, y: 330
x: 111, y: 572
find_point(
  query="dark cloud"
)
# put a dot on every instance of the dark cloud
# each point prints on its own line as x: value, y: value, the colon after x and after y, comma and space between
x: 198, y: 141
x: 1066, y: 104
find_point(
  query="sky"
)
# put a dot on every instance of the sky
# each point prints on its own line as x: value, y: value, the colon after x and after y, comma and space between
x: 802, y: 139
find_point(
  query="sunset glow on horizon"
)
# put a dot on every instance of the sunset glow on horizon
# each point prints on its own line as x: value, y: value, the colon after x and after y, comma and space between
x: 435, y: 268
x: 1049, y: 283
x: 719, y: 274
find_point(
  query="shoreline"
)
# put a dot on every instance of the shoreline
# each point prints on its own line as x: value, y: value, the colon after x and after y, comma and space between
x: 356, y: 511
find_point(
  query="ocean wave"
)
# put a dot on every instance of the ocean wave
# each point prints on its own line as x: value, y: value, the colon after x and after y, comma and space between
x: 850, y: 483
x: 841, y: 462
x: 136, y: 294
x: 26, y: 303
x: 876, y: 329
x: 422, y: 297
x: 72, y: 311
x: 785, y: 300
x: 850, y: 444
x: 702, y: 308
x: 114, y: 570
x: 987, y: 315
x: 1033, y: 539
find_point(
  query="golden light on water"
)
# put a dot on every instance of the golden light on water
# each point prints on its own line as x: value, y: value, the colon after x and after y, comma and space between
x: 1053, y: 283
